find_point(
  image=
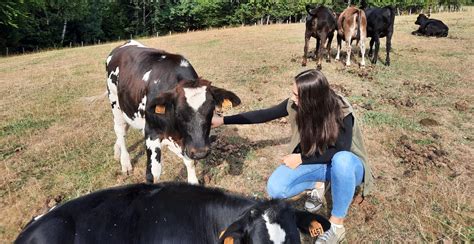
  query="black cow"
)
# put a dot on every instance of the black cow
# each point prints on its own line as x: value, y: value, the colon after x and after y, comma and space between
x: 171, y: 213
x: 320, y: 24
x: 380, y: 23
x: 161, y: 94
x: 430, y: 27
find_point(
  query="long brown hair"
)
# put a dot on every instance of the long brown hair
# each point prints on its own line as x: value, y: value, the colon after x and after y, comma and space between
x: 319, y: 115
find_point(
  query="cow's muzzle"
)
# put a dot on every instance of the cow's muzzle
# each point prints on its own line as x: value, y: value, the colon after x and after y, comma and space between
x: 197, y: 152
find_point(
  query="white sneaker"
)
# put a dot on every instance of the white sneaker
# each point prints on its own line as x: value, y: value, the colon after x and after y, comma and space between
x: 315, y: 200
x: 332, y: 236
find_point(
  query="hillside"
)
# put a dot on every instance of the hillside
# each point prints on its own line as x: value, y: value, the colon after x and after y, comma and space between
x: 55, y: 143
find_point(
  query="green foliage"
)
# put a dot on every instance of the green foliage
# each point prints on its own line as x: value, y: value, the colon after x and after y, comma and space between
x: 32, y: 24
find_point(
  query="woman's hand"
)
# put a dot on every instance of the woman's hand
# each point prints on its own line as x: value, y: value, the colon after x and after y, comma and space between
x: 292, y: 160
x: 217, y: 121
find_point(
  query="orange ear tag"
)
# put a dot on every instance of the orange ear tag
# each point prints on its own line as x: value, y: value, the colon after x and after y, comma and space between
x: 315, y: 229
x: 229, y: 240
x: 226, y: 104
x: 160, y: 109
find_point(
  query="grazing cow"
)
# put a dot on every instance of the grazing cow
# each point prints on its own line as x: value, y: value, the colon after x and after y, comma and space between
x: 380, y: 23
x: 320, y: 24
x: 171, y: 213
x: 160, y: 94
x: 430, y: 27
x: 351, y: 24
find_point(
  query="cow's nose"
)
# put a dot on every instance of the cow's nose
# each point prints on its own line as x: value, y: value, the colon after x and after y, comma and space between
x: 198, y: 153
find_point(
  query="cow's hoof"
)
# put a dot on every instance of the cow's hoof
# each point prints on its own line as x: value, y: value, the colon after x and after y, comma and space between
x: 387, y: 63
x: 319, y: 67
x: 303, y: 64
x: 193, y: 181
x: 127, y: 169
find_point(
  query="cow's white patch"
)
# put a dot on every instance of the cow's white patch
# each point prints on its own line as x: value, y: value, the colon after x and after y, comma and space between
x: 156, y: 81
x: 146, y: 76
x: 133, y: 43
x: 108, y: 59
x: 173, y: 146
x: 276, y: 233
x: 190, y: 168
x: 184, y: 63
x: 156, y: 166
x: 112, y: 87
x: 138, y: 122
x: 142, y: 104
x: 163, y: 56
x: 195, y: 97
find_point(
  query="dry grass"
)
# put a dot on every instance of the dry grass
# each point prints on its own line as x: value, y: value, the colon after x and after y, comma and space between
x: 53, y: 143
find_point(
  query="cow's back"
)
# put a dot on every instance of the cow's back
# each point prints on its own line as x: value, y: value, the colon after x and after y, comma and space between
x: 380, y: 20
x: 144, y: 213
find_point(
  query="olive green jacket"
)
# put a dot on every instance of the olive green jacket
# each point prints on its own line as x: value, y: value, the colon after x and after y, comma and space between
x: 357, y: 146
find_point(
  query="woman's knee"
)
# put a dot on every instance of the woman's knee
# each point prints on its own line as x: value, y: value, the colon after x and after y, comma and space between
x: 343, y: 163
x: 276, y: 189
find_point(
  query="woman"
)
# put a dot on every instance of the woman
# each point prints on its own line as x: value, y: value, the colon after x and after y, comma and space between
x: 326, y: 145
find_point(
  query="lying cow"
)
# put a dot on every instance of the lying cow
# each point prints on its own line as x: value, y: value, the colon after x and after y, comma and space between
x: 320, y: 24
x: 351, y: 25
x: 161, y: 94
x: 171, y: 213
x: 380, y: 23
x: 430, y: 27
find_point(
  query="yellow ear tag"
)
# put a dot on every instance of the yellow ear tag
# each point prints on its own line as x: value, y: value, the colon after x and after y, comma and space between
x: 315, y: 229
x: 160, y: 109
x: 226, y: 104
x: 221, y: 234
x: 229, y: 240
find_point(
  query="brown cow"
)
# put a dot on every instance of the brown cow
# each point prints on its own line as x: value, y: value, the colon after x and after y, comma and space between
x: 352, y: 24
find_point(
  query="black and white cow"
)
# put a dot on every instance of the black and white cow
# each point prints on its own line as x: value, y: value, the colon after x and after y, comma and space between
x: 171, y: 213
x: 161, y: 94
x: 430, y: 27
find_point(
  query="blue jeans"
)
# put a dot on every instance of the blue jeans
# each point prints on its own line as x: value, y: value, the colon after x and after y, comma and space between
x: 345, y: 172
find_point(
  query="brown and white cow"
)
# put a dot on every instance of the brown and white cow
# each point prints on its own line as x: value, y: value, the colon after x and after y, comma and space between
x: 352, y: 25
x: 161, y: 94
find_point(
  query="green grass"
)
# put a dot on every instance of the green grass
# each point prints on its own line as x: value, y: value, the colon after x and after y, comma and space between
x: 21, y: 126
x: 376, y: 118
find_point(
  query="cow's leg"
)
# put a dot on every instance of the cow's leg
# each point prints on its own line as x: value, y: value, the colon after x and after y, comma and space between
x: 371, y: 45
x: 153, y: 155
x: 348, y: 50
x: 120, y: 147
x: 328, y: 47
x: 321, y: 42
x: 362, y: 49
x: 318, y: 44
x: 339, y: 44
x: 305, y: 54
x: 388, y: 46
x: 190, y: 168
x: 376, y: 39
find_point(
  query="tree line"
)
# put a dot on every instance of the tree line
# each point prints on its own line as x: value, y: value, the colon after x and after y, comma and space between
x: 27, y: 25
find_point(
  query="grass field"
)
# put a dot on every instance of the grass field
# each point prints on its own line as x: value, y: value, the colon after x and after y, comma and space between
x: 416, y: 117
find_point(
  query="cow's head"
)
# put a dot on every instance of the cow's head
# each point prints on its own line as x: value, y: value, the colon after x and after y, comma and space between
x: 273, y: 222
x: 420, y: 19
x: 185, y: 114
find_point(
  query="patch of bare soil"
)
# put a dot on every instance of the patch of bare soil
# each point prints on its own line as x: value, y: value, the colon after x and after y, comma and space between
x: 399, y: 102
x: 415, y: 156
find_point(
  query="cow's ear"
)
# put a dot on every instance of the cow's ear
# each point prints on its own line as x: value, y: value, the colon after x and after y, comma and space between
x: 312, y: 224
x: 234, y: 234
x: 161, y: 103
x: 224, y: 98
x: 310, y: 9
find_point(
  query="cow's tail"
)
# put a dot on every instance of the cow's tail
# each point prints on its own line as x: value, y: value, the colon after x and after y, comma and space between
x: 94, y: 99
x: 358, y: 24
